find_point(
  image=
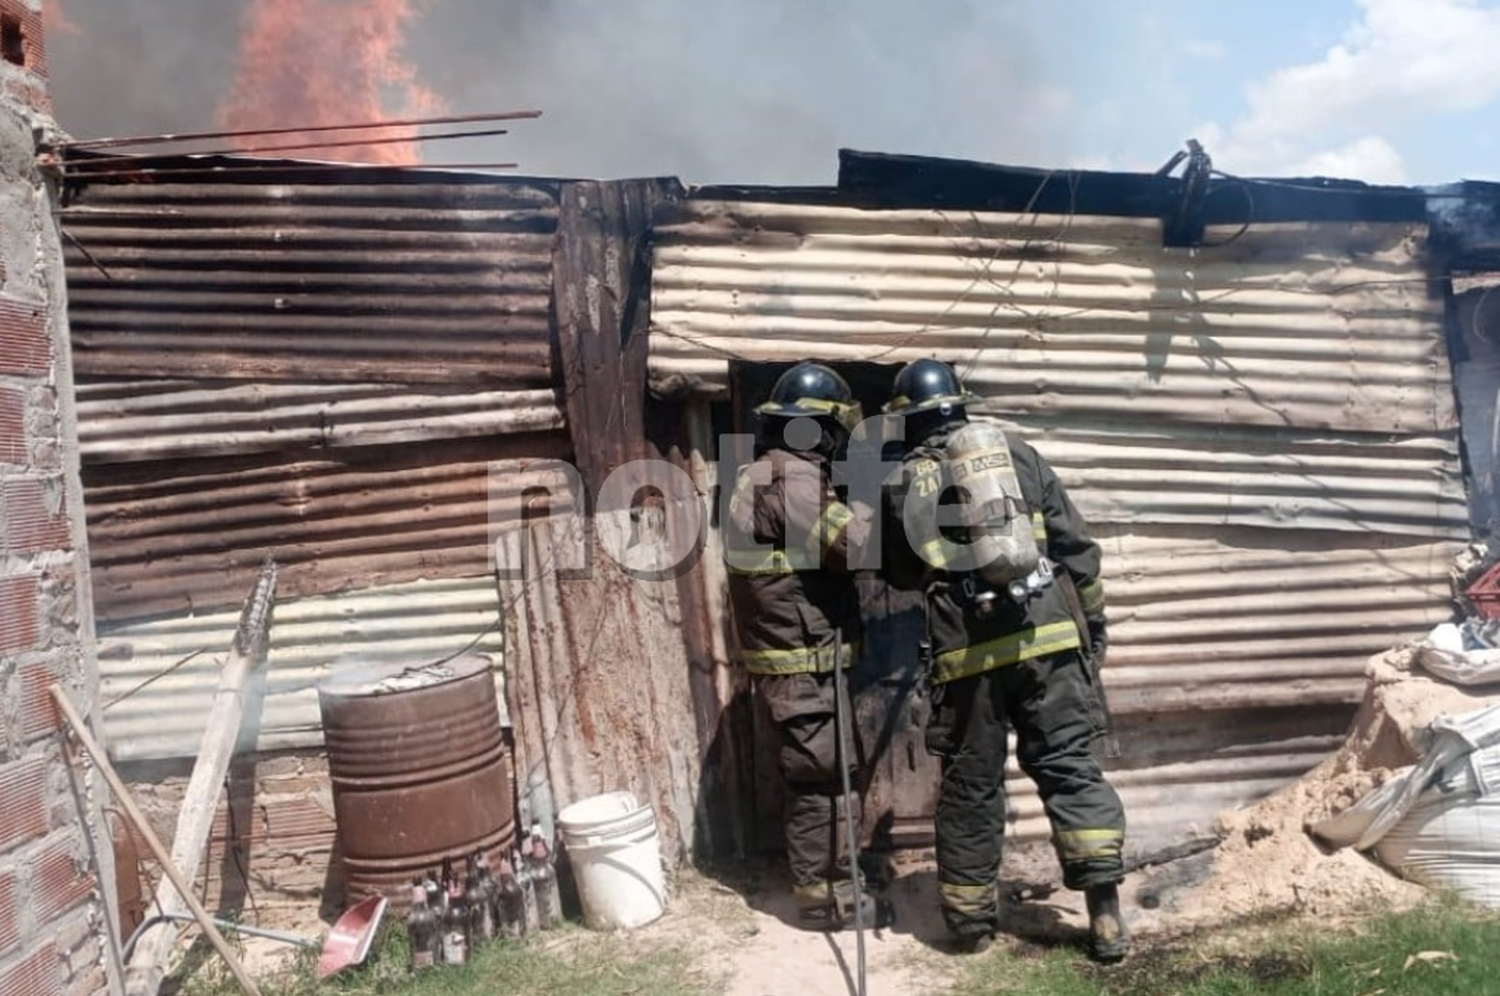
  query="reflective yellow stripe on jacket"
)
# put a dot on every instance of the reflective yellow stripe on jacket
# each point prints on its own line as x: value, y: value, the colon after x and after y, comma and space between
x: 796, y: 660
x: 829, y: 527
x: 1091, y: 596
x: 823, y: 535
x: 1022, y: 645
x: 769, y: 561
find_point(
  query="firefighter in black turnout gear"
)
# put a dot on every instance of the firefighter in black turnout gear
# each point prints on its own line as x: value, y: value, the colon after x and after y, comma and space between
x: 796, y: 611
x: 1023, y: 654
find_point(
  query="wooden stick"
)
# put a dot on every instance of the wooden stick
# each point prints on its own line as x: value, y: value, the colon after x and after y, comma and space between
x: 127, y: 802
x: 195, y: 817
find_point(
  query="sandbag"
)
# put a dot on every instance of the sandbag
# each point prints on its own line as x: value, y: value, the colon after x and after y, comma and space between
x: 1437, y: 822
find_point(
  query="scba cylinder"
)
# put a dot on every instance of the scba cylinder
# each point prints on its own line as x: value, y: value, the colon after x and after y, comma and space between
x: 1002, y: 545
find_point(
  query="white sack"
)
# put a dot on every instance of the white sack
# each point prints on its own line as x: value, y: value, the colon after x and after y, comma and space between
x: 1437, y: 822
x: 1446, y: 654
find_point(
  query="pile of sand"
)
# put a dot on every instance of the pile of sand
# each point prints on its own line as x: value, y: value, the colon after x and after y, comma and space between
x: 1268, y: 862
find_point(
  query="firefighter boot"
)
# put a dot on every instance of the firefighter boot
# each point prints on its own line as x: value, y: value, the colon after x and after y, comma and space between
x: 831, y: 907
x: 1109, y: 938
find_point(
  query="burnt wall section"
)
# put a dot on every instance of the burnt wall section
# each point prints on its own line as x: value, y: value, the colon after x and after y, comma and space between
x: 54, y: 928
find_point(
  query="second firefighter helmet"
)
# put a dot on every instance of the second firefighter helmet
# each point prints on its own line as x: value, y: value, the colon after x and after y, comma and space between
x: 811, y: 390
x: 924, y: 385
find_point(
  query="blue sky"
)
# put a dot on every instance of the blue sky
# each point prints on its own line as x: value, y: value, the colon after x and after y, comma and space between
x: 766, y: 91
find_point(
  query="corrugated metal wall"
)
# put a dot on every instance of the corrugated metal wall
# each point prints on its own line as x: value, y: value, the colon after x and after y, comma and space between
x: 1262, y: 433
x: 415, y: 622
x: 326, y: 371
x: 322, y: 282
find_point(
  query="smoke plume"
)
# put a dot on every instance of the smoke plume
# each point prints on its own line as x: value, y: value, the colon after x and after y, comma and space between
x: 712, y: 91
x: 328, y: 62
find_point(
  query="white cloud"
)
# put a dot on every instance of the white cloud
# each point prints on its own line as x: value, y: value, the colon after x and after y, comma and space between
x: 1370, y: 158
x: 1404, y: 60
x: 1206, y: 49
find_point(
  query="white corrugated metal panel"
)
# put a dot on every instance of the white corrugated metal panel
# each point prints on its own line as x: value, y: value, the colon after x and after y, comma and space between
x: 1312, y: 325
x: 164, y: 419
x: 1167, y: 472
x: 418, y: 622
x: 1224, y: 622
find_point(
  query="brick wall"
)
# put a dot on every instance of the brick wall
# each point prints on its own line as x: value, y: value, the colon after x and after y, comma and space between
x: 54, y: 928
x: 271, y: 851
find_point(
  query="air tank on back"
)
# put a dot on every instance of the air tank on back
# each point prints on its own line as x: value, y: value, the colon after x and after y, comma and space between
x: 1003, y: 547
x: 420, y: 770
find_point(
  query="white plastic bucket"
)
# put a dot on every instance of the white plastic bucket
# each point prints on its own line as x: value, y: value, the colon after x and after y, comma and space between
x: 616, y: 856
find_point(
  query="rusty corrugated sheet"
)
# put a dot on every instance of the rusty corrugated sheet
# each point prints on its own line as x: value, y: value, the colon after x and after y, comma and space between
x: 1262, y: 434
x: 122, y: 421
x: 311, y: 638
x: 445, y: 281
x: 172, y: 536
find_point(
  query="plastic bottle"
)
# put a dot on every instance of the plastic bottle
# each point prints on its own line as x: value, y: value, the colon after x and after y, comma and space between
x: 456, y: 926
x: 512, y: 902
x: 422, y: 932
x: 544, y: 881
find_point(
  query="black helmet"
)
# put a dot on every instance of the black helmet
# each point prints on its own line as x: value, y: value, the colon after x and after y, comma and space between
x: 811, y: 390
x: 926, y: 384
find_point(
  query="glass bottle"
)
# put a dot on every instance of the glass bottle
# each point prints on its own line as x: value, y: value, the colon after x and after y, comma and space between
x: 512, y: 902
x: 489, y: 895
x: 544, y: 881
x: 528, y: 890
x: 422, y: 932
x: 456, y: 926
x: 436, y: 894
x: 480, y: 928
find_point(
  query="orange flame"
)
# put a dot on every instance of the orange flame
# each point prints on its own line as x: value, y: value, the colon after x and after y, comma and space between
x: 56, y: 19
x: 328, y: 62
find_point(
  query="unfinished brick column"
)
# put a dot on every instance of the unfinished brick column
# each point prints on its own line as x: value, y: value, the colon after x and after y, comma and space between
x: 54, y: 924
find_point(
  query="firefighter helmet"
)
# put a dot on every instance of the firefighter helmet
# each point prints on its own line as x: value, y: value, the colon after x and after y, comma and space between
x: 811, y: 390
x: 926, y: 384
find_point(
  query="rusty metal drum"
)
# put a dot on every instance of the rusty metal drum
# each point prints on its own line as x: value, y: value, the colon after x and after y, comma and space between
x: 420, y: 770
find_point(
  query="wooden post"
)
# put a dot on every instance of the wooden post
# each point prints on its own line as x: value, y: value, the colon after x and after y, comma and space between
x: 127, y: 802
x: 153, y: 952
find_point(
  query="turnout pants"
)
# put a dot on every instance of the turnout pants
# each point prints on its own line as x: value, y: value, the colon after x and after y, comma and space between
x: 1054, y: 707
x: 802, y: 706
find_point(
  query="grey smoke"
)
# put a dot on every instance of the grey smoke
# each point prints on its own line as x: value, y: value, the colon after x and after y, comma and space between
x: 754, y: 91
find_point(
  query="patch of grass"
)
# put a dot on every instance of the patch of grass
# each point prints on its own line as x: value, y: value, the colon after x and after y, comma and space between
x: 567, y: 962
x: 1443, y: 946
